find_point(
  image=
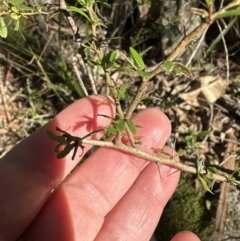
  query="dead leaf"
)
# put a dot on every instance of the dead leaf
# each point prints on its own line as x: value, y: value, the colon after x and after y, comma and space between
x: 207, y: 90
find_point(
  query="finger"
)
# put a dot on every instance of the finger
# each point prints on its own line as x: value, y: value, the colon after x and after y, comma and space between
x: 185, y: 235
x: 136, y: 215
x: 30, y: 171
x: 80, y: 205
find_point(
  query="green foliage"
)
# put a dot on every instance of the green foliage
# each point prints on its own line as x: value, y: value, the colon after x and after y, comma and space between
x: 119, y: 126
x: 178, y: 68
x: 192, y: 138
x: 180, y: 152
x: 68, y: 142
x: 131, y: 126
x: 108, y: 60
x: 121, y: 91
x: 81, y: 11
x: 3, y: 28
x: 137, y: 58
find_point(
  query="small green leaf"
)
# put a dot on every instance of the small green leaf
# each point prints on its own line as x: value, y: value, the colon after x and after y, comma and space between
x: 108, y: 59
x: 168, y: 65
x: 15, y: 16
x: 16, y: 2
x: 203, y: 133
x: 16, y: 28
x: 3, y: 28
x: 131, y: 126
x: 228, y: 13
x: 208, y: 2
x: 95, y: 63
x: 137, y: 58
x: 60, y: 139
x: 201, y: 12
x: 120, y: 125
x: 209, y: 174
x: 204, y: 184
x: 56, y: 148
x: 14, y: 9
x: 200, y: 166
x: 78, y: 10
x: 180, y: 152
x: 121, y: 91
x: 112, y: 130
x: 163, y: 152
x: 26, y: 8
x: 65, y: 151
x: 105, y: 4
x: 180, y: 68
x: 112, y: 55
x: 82, y: 2
x: 143, y: 73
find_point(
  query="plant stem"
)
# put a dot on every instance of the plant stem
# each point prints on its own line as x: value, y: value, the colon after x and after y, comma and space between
x: 183, y: 44
x: 108, y: 79
x: 151, y: 157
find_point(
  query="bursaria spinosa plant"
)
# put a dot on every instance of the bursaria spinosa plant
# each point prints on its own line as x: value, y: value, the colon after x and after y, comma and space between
x: 122, y: 125
x: 96, y: 52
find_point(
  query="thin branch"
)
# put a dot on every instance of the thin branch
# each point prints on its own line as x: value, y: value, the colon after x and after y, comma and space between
x: 183, y: 44
x: 76, y: 70
x: 63, y: 7
x: 225, y: 48
x: 196, y: 48
x: 151, y: 157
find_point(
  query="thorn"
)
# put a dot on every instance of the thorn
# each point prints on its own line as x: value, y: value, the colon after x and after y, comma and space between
x: 173, y: 173
x: 159, y: 170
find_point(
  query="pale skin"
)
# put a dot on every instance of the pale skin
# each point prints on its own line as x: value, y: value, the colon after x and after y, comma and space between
x: 111, y: 196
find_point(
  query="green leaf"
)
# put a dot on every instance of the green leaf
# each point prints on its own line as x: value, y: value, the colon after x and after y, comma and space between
x: 131, y: 126
x: 105, y: 4
x: 112, y: 55
x: 228, y: 13
x: 26, y: 8
x: 203, y: 133
x: 78, y: 10
x: 201, y: 12
x: 82, y: 2
x: 120, y: 125
x: 180, y: 152
x: 143, y: 73
x: 200, y: 166
x: 56, y: 148
x: 208, y: 2
x: 180, y: 68
x: 204, y: 184
x: 108, y: 59
x: 168, y: 65
x: 3, y: 28
x: 163, y: 152
x: 209, y: 174
x: 15, y: 16
x: 95, y: 63
x: 14, y: 9
x: 121, y: 91
x: 60, y: 139
x: 65, y: 151
x: 16, y: 2
x: 137, y: 58
x: 112, y: 130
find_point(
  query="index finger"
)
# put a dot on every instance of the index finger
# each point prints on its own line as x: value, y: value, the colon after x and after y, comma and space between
x: 30, y: 171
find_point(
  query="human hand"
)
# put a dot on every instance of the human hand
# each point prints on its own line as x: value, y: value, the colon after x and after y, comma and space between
x: 111, y: 196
